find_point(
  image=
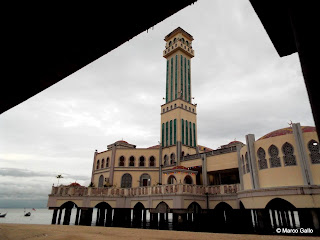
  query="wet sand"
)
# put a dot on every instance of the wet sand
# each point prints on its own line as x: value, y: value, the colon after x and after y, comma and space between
x: 61, y: 232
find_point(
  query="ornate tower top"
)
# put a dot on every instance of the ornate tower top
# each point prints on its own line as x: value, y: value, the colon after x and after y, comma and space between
x: 178, y: 39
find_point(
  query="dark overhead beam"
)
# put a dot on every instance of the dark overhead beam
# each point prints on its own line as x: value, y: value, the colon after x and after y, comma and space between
x: 43, y: 44
x: 293, y: 26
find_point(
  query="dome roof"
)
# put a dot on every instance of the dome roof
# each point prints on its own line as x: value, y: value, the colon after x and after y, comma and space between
x: 180, y: 167
x: 285, y: 131
x: 234, y: 142
x: 75, y: 184
x: 122, y: 141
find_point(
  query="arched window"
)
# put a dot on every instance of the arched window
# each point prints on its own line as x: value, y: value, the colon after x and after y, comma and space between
x: 247, y: 162
x: 313, y: 147
x: 187, y: 43
x: 174, y: 40
x: 262, y: 159
x: 182, y: 40
x: 163, y: 110
x: 188, y: 180
x: 121, y: 161
x: 145, y: 180
x: 172, y: 180
x: 102, y: 163
x: 243, y: 165
x: 171, y: 107
x: 172, y: 158
x: 170, y: 43
x: 182, y: 154
x: 175, y: 105
x: 131, y: 161
x: 141, y: 161
x: 165, y: 160
x: 101, y: 178
x: 98, y: 164
x: 274, y: 160
x: 289, y: 158
x: 152, y: 161
x: 126, y: 180
x: 107, y: 162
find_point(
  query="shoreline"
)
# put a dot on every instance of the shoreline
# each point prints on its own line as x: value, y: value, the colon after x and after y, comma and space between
x: 13, y: 231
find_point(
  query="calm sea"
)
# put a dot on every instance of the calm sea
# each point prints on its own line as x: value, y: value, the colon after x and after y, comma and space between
x: 39, y: 216
x: 42, y: 216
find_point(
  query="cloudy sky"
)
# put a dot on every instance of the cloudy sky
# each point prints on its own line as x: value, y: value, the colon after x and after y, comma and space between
x: 239, y: 82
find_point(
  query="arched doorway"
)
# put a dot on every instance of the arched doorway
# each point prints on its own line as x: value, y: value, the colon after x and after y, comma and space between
x: 187, y: 180
x: 172, y: 180
x: 126, y: 180
x: 194, y: 211
x: 145, y: 180
x: 223, y: 217
x: 66, y: 214
x: 100, y: 184
x: 162, y: 214
x: 139, y: 216
x: 104, y: 214
x: 282, y: 214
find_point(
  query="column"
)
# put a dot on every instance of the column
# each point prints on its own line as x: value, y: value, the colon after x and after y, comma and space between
x: 302, y: 153
x: 67, y: 214
x: 77, y: 217
x: 60, y: 213
x: 204, y: 169
x: 54, y: 216
x: 113, y: 156
x: 252, y: 161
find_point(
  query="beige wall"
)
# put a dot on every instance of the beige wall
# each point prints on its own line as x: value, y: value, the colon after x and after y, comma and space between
x: 279, y: 176
x: 97, y: 175
x: 137, y: 153
x: 179, y: 177
x: 299, y: 201
x: 135, y: 176
x: 192, y: 163
x: 222, y: 161
x: 103, y: 155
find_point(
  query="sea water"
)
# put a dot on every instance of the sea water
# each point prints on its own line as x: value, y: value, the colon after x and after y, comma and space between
x: 44, y: 216
x: 16, y: 215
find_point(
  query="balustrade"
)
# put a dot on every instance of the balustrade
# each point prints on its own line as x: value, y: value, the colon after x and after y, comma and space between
x: 144, y: 191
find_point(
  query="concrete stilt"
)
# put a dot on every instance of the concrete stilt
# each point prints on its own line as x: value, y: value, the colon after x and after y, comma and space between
x: 154, y: 220
x: 77, y: 217
x: 108, y: 222
x: 98, y: 216
x: 54, y: 216
x: 60, y: 213
x: 67, y: 214
x: 144, y: 218
x: 101, y: 217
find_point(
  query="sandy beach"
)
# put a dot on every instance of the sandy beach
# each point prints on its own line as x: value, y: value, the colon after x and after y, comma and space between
x: 60, y: 232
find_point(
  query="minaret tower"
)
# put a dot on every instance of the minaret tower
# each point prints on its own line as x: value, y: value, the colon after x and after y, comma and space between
x: 178, y: 114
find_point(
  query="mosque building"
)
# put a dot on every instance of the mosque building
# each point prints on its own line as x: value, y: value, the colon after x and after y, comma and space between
x: 256, y: 186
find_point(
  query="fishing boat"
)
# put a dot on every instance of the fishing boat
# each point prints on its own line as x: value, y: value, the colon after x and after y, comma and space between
x: 28, y: 214
x: 3, y: 215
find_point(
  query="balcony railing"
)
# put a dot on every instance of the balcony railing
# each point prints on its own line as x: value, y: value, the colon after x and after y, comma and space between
x: 177, y: 45
x: 171, y: 189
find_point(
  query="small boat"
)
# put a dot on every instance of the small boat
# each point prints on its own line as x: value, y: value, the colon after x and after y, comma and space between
x: 28, y: 214
x: 3, y: 215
